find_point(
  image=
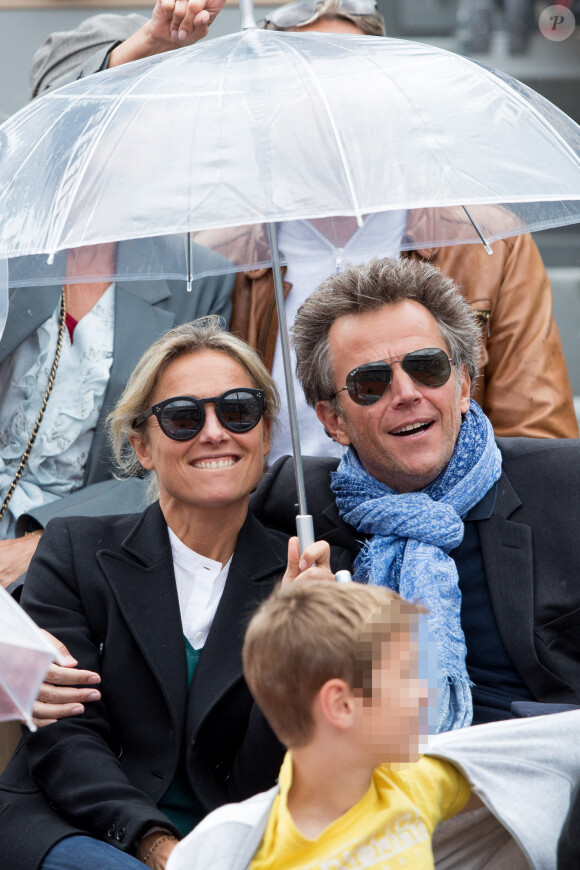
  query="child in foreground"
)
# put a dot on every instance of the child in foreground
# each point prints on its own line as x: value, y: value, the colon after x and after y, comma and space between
x: 335, y: 670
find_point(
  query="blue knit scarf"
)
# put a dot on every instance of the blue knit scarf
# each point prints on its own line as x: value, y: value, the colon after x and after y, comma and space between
x: 412, y: 535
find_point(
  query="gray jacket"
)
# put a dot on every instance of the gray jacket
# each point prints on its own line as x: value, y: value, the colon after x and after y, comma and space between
x: 69, y: 55
x: 144, y: 310
x: 523, y: 770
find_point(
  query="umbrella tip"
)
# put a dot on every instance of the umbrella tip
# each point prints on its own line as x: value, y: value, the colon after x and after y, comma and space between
x: 343, y: 576
x: 248, y: 19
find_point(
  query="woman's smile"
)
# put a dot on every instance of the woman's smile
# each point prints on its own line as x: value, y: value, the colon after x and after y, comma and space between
x: 209, y: 463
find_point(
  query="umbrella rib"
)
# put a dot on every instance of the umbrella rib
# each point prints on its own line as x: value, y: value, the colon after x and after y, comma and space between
x: 444, y: 157
x: 46, y: 132
x: 119, y: 101
x: 526, y: 105
x: 13, y: 701
x: 224, y: 72
x: 484, y: 241
x: 342, y: 154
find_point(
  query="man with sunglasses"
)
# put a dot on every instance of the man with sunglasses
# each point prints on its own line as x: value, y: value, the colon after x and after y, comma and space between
x: 509, y: 292
x: 482, y: 532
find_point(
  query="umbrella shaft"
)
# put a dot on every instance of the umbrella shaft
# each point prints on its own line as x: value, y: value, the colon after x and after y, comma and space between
x: 285, y: 346
x: 248, y: 19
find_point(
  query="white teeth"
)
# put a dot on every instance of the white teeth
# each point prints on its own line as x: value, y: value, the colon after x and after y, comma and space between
x: 410, y: 428
x: 214, y: 463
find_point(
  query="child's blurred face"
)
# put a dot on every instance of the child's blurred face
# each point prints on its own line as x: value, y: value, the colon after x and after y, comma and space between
x: 391, y: 720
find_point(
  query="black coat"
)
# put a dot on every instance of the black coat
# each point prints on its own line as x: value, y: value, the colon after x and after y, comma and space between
x: 530, y: 548
x: 106, y: 588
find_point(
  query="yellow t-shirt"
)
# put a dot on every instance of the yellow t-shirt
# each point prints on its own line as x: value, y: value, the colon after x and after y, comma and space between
x: 390, y: 827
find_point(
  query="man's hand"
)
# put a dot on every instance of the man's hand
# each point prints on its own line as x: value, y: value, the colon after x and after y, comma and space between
x: 15, y: 556
x: 58, y: 697
x: 314, y: 564
x: 173, y: 24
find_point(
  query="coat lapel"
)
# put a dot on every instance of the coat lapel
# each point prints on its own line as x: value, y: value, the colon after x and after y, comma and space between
x: 28, y: 308
x: 332, y: 528
x: 507, y: 551
x: 259, y: 562
x: 140, y: 574
x: 138, y: 323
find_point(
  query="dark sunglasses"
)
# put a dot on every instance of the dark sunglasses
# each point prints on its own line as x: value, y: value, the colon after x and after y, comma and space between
x: 303, y: 12
x: 182, y: 417
x: 430, y: 367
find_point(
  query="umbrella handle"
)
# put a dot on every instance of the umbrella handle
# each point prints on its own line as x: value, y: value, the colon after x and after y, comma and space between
x: 305, y: 531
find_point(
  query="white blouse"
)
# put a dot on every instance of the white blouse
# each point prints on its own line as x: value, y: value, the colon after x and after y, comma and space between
x: 57, y: 462
x: 200, y: 585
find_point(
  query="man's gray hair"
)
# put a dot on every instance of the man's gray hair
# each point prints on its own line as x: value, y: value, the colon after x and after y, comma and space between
x: 369, y: 287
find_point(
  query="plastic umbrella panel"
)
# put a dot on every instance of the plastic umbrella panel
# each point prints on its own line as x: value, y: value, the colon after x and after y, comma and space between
x: 25, y: 655
x: 266, y: 126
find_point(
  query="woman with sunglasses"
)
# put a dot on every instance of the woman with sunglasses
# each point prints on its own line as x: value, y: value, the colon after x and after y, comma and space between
x: 157, y: 603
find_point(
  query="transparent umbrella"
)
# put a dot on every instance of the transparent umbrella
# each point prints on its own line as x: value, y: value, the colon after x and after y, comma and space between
x: 25, y: 655
x: 217, y: 143
x: 265, y: 126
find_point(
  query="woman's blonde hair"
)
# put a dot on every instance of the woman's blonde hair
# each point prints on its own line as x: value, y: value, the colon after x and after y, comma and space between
x: 203, y: 334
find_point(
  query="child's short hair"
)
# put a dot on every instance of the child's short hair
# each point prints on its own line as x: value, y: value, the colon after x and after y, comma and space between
x: 309, y: 632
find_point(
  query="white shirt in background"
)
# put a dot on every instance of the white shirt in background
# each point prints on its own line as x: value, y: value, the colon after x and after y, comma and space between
x: 311, y: 258
x: 57, y: 462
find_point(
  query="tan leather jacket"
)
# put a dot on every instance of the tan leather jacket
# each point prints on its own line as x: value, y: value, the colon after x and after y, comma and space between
x: 524, y: 386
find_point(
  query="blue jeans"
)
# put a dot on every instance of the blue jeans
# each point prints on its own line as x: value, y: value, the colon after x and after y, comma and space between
x: 85, y: 853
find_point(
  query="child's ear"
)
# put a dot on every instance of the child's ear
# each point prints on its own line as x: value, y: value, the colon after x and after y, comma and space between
x: 335, y: 701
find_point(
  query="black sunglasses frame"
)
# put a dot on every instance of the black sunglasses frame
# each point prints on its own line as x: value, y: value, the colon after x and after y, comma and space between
x: 384, y: 366
x: 157, y: 411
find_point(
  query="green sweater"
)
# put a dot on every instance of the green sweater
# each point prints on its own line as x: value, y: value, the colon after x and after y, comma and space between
x: 179, y: 802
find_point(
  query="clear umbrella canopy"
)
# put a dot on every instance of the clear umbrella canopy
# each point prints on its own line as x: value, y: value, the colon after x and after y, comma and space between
x: 25, y: 655
x: 266, y: 126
